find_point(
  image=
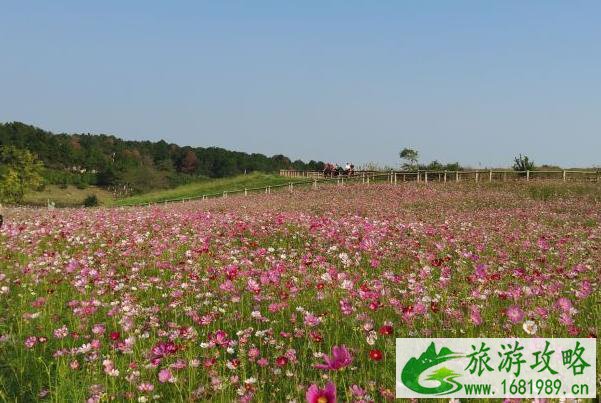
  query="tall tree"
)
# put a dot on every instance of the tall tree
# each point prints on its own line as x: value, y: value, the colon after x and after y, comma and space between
x: 189, y: 162
x: 20, y: 170
x: 410, y: 155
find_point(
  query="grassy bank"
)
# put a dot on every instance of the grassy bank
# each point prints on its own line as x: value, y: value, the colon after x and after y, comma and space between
x: 210, y: 186
x: 70, y: 196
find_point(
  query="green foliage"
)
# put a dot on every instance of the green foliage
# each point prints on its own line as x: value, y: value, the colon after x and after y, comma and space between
x: 410, y: 155
x: 91, y: 201
x: 523, y: 163
x: 374, y: 166
x: 137, y: 165
x: 438, y: 166
x: 72, y: 196
x: 19, y: 171
x: 551, y: 191
x: 144, y: 178
x: 208, y: 186
x: 61, y: 177
x: 10, y: 190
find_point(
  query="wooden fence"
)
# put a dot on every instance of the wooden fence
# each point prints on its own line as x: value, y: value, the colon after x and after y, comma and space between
x: 314, y: 183
x: 315, y: 178
x: 459, y: 176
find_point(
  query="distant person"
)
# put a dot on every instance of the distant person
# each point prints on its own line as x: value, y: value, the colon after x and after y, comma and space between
x: 338, y: 170
x: 328, y: 169
x: 347, y: 169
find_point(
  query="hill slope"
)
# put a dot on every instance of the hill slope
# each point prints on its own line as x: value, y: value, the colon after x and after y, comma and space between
x: 106, y: 160
x: 209, y: 186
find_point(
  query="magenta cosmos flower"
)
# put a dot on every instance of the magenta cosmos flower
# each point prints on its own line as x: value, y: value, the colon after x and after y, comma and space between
x: 340, y: 358
x: 325, y: 395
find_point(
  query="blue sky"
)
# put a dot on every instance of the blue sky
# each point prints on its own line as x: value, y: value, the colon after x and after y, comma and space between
x: 470, y: 81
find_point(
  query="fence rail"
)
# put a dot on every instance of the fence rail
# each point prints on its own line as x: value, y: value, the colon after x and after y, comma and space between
x: 290, y: 186
x: 488, y: 175
x: 315, y: 178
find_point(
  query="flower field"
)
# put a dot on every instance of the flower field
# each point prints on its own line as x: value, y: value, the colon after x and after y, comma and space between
x: 283, y: 297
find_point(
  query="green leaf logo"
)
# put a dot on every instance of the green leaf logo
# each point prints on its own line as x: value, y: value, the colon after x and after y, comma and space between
x: 445, y: 376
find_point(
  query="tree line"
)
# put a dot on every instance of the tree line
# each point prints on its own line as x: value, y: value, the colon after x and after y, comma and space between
x: 109, y: 161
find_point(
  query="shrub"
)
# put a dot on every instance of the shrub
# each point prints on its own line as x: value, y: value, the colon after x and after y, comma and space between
x: 81, y: 185
x: 523, y: 163
x: 91, y: 201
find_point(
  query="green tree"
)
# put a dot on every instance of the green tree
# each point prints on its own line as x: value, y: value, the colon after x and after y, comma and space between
x: 410, y: 155
x: 523, y: 163
x: 20, y: 170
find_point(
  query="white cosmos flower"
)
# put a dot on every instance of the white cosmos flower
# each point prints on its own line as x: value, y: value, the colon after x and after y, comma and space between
x: 530, y: 327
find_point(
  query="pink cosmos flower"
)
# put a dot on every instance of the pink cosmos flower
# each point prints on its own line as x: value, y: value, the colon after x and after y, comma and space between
x: 253, y: 353
x: 340, y: 358
x: 31, y: 341
x: 146, y: 387
x: 165, y: 376
x: 515, y: 314
x: 61, y: 332
x: 564, y: 304
x: 346, y: 307
x: 312, y: 320
x: 585, y: 289
x: 325, y: 395
x: 481, y: 270
x: 358, y: 391
x: 98, y: 329
x: 475, y: 315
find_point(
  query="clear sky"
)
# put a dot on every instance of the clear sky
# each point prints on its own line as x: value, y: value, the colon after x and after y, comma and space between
x: 470, y: 81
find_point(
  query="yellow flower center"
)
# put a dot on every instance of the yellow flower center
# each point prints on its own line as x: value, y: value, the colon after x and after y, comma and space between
x: 322, y: 399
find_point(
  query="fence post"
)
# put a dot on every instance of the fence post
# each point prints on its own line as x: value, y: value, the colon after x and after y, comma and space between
x: 445, y: 176
x: 417, y: 175
x: 395, y: 178
x: 245, y: 192
x: 456, y: 176
x: 477, y: 176
x: 527, y: 176
x: 504, y: 176
x: 490, y: 175
x: 426, y: 177
x: 564, y: 175
x: 342, y: 181
x: 368, y: 179
x: 314, y: 183
x: 362, y: 177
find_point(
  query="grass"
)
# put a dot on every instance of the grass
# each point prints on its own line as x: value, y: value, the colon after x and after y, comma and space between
x: 210, y: 186
x: 71, y: 196
x: 548, y: 191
